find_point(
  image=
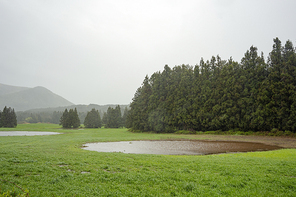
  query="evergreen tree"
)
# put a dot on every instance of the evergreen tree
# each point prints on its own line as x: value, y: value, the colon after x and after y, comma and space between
x: 104, y: 119
x: 93, y: 119
x: 8, y: 118
x: 140, y: 109
x: 118, y: 118
x: 219, y: 94
x: 113, y: 117
x: 70, y: 119
x: 75, y: 121
x: 124, y: 117
x: 64, y: 120
x: 0, y: 119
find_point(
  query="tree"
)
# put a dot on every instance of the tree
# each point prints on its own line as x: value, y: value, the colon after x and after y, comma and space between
x: 124, y: 117
x: 64, y: 119
x: 8, y: 118
x: 220, y: 95
x: 0, y: 118
x: 70, y: 119
x: 113, y: 117
x: 93, y: 119
x: 104, y: 119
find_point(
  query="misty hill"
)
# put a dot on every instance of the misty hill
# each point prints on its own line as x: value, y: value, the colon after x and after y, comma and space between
x: 7, y: 89
x: 22, y: 98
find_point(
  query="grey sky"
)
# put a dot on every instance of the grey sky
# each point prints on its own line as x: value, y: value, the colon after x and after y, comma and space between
x: 92, y: 51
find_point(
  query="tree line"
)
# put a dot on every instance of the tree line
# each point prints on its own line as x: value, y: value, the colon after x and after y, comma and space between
x: 44, y: 117
x: 111, y: 119
x: 49, y: 116
x: 8, y: 118
x: 255, y: 94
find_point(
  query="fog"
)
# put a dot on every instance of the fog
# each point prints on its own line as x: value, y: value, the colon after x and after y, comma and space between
x: 100, y: 51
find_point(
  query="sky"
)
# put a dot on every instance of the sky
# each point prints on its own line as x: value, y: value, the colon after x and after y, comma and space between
x: 99, y: 51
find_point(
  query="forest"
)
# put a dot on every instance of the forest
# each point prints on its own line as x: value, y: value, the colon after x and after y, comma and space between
x: 256, y: 94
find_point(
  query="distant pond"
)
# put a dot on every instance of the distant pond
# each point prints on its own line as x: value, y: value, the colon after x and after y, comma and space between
x: 196, y: 147
x: 26, y: 133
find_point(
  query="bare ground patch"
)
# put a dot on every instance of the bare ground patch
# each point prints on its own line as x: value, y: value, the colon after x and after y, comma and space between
x: 285, y: 142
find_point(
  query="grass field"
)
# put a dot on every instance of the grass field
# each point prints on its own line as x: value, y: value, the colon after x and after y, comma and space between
x: 56, y: 166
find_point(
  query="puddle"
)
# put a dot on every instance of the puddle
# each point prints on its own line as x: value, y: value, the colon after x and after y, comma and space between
x: 26, y: 133
x: 178, y: 147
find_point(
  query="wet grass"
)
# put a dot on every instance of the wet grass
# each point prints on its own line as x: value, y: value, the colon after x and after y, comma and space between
x: 56, y: 166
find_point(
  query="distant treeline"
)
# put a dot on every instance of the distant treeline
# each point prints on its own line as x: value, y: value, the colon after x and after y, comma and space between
x: 53, y: 115
x: 45, y: 117
x: 217, y: 94
x: 111, y: 118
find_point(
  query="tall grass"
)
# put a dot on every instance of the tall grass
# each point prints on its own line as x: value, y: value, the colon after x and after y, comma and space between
x: 57, y: 166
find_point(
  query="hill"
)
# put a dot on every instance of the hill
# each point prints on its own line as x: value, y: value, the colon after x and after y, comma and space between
x: 7, y: 89
x: 23, y: 98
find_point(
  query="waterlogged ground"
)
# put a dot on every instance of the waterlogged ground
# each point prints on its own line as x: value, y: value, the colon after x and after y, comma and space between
x: 178, y: 147
x: 55, y: 165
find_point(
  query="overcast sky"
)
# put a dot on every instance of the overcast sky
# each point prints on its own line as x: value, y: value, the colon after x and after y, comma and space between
x: 91, y: 51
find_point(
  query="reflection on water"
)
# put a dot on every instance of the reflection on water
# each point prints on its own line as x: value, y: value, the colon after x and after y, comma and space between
x: 26, y: 133
x: 178, y: 147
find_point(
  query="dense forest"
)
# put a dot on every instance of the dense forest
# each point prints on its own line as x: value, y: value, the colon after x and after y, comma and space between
x: 253, y: 95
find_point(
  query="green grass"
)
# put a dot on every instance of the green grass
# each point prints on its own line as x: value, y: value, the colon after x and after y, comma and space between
x: 56, y: 166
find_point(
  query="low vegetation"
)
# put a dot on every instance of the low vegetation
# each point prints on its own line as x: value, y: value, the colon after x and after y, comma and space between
x: 57, y: 166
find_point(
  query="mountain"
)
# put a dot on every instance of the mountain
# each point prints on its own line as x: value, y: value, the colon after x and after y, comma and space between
x: 7, y: 89
x: 22, y: 98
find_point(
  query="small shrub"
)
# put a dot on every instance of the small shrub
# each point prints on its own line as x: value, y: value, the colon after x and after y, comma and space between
x: 274, y: 130
x: 239, y: 133
x: 185, y: 132
x: 279, y: 133
x: 288, y: 133
x: 230, y: 132
x: 249, y: 133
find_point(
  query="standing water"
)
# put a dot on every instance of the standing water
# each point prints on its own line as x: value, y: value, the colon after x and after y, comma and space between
x: 198, y: 147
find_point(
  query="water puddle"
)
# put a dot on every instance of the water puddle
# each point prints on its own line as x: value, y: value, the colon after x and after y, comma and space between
x: 26, y: 133
x: 198, y: 147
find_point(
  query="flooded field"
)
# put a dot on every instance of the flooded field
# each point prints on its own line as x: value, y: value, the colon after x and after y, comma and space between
x: 197, y: 147
x: 25, y: 133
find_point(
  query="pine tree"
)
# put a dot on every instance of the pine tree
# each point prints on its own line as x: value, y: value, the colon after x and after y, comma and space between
x: 8, y: 118
x: 75, y: 121
x: 114, y: 119
x: 124, y: 117
x: 140, y: 109
x: 0, y: 119
x: 219, y: 94
x: 118, y: 117
x: 93, y: 119
x: 70, y: 119
x: 104, y: 119
x: 64, y: 120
